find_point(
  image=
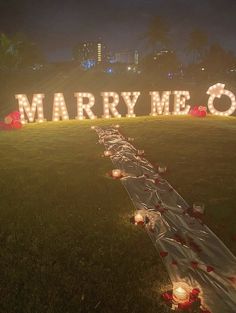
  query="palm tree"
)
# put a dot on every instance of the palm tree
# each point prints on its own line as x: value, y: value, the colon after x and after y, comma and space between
x: 18, y: 52
x: 8, y: 52
x: 218, y: 60
x: 197, y: 44
x: 28, y: 52
x: 157, y: 33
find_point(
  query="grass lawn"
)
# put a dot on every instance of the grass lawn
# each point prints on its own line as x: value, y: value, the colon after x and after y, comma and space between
x: 66, y: 242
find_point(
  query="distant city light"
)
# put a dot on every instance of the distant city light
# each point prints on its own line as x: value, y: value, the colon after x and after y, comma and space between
x: 88, y: 64
x: 109, y: 70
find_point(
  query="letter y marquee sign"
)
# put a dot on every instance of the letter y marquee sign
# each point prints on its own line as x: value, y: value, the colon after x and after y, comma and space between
x: 160, y: 104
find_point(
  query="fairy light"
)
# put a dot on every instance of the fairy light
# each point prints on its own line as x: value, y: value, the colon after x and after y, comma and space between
x: 29, y: 111
x: 110, y: 106
x: 82, y: 107
x: 59, y: 108
x: 160, y: 104
x: 130, y: 102
x: 180, y: 107
x: 217, y: 91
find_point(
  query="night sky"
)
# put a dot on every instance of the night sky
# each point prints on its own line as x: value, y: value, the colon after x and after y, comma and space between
x: 58, y: 25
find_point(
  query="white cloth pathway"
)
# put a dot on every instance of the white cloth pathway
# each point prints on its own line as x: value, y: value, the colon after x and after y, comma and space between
x: 194, y: 254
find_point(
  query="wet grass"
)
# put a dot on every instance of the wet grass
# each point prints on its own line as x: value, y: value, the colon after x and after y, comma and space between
x: 66, y: 241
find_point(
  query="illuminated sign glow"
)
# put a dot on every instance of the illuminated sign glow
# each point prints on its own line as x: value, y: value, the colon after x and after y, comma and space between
x: 160, y: 104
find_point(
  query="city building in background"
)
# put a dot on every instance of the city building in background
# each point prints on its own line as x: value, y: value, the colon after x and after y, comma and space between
x: 90, y: 53
x: 127, y: 57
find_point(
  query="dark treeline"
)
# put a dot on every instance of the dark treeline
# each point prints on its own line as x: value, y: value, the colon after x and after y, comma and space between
x: 203, y: 57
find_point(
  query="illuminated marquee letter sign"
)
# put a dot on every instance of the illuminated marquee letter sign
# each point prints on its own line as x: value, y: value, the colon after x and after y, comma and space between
x: 217, y: 91
x: 180, y: 107
x: 59, y: 108
x: 82, y: 107
x: 161, y: 104
x: 130, y: 103
x: 28, y: 110
x: 110, y: 101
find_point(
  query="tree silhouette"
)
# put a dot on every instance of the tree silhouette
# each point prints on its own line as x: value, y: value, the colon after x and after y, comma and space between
x: 18, y: 52
x: 164, y: 65
x: 157, y: 33
x: 197, y: 44
x: 218, y: 60
x: 8, y: 53
x: 28, y: 52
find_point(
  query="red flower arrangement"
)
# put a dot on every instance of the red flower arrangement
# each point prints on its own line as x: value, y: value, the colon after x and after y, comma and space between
x: 11, y: 121
x: 198, y: 111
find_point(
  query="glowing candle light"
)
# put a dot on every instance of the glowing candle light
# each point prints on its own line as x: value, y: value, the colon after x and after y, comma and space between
x: 162, y: 169
x: 138, y: 218
x: 107, y: 153
x: 140, y: 152
x: 181, y: 292
x: 198, y: 208
x: 116, y: 173
x: 130, y: 139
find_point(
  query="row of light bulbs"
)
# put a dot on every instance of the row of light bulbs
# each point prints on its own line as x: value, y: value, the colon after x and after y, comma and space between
x: 217, y: 91
x: 24, y: 106
x: 60, y: 110
x: 85, y: 107
x: 161, y: 103
x: 130, y: 102
x: 110, y: 106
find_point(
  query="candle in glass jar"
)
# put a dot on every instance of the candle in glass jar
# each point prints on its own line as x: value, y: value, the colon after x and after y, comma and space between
x: 181, y: 292
x: 198, y: 208
x: 116, y: 173
x: 140, y: 152
x: 107, y: 153
x: 138, y: 218
x: 162, y: 168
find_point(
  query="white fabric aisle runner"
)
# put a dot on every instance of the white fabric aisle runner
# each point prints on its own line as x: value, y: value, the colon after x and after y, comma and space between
x: 191, y: 252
